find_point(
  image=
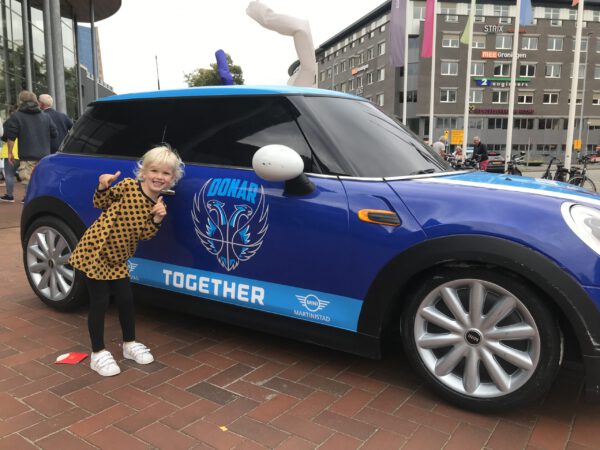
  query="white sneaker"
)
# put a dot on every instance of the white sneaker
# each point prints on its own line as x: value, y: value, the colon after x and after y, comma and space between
x: 104, y: 363
x: 138, y: 352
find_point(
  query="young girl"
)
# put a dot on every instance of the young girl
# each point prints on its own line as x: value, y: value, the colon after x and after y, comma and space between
x: 131, y: 210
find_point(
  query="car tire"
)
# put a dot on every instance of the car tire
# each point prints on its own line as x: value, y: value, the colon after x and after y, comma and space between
x: 47, y: 246
x: 483, y: 339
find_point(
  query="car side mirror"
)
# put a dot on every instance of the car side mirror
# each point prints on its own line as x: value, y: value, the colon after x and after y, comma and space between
x: 280, y: 163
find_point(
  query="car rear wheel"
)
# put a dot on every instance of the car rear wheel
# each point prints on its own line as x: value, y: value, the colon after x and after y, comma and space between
x: 483, y: 339
x: 47, y: 247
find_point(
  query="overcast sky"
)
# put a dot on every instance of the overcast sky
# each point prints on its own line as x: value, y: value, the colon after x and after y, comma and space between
x: 184, y: 35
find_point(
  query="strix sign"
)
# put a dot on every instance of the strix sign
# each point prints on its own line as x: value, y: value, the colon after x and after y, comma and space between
x: 493, y: 28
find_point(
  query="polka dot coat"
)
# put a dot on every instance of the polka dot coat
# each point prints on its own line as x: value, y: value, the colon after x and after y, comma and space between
x: 105, y: 247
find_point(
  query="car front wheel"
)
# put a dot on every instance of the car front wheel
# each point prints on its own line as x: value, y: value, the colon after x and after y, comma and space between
x: 483, y: 339
x: 47, y: 247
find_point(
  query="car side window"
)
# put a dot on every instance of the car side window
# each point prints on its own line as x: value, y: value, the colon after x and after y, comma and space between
x: 227, y: 131
x: 125, y: 128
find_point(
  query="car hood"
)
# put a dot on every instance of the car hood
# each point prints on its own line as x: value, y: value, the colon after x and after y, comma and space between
x: 511, y: 183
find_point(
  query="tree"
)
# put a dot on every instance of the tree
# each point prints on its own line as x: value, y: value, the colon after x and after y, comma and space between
x: 210, y: 77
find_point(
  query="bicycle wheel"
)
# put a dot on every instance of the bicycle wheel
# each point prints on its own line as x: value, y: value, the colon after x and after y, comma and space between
x: 583, y: 182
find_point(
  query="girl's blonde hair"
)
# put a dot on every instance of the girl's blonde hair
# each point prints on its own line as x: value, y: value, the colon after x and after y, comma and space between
x: 162, y: 154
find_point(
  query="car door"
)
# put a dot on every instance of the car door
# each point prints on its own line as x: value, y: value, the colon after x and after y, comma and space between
x: 232, y: 237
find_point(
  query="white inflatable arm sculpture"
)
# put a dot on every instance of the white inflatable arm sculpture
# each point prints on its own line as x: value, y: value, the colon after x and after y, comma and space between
x: 290, y: 26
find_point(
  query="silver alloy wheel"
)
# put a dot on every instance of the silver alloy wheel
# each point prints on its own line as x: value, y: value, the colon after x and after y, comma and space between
x: 47, y: 263
x: 477, y: 338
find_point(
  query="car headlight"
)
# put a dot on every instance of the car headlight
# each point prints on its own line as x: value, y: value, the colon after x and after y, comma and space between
x: 585, y: 223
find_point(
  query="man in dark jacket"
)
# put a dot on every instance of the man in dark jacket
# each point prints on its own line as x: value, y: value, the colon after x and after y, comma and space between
x: 61, y: 120
x: 480, y: 153
x: 34, y: 131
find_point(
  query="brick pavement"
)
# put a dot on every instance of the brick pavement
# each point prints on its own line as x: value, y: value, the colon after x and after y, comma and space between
x: 219, y: 386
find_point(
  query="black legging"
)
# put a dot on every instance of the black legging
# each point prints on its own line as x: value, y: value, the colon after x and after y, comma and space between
x: 100, y: 291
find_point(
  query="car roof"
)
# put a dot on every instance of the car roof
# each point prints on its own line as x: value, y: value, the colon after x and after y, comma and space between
x: 237, y: 90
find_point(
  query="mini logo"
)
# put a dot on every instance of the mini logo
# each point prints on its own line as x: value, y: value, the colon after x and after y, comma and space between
x: 473, y: 337
x: 312, y: 303
x: 231, y: 219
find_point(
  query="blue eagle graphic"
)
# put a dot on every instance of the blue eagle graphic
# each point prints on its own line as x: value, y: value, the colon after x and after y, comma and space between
x: 229, y: 236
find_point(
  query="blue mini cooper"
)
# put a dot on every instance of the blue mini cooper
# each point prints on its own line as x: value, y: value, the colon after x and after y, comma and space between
x: 312, y: 214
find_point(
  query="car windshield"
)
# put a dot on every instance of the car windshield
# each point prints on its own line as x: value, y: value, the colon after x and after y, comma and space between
x: 371, y: 143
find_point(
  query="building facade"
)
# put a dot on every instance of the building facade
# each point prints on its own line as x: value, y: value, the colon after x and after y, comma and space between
x: 356, y: 60
x: 38, y: 49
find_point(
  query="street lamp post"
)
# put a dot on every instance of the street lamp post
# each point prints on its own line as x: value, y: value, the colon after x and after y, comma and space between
x: 587, y: 49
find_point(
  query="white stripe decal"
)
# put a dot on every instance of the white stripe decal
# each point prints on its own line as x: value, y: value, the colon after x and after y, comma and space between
x: 553, y: 194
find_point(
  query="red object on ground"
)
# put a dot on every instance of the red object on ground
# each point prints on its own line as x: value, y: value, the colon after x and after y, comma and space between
x: 71, y: 358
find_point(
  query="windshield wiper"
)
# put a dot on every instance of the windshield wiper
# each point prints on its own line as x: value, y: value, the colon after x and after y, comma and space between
x: 421, y: 172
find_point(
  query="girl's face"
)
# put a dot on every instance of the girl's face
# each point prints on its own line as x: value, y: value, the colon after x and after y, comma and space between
x: 157, y: 177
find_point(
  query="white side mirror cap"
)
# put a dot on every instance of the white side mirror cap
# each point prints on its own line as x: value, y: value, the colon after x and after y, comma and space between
x: 277, y: 163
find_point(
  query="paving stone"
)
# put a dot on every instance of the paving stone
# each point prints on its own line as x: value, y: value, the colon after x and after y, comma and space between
x: 212, y: 393
x: 289, y: 387
x: 259, y: 432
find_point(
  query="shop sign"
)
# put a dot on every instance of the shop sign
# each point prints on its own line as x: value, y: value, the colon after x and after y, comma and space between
x: 356, y: 70
x: 501, y: 81
x: 494, y: 54
x: 474, y: 110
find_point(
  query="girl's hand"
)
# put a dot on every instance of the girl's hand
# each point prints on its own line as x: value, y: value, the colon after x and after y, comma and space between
x: 159, y: 211
x: 106, y: 179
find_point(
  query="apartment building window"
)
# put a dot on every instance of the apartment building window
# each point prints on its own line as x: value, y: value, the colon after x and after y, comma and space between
x: 448, y: 95
x: 500, y: 97
x: 370, y: 53
x: 476, y: 123
x: 343, y: 66
x: 449, y: 68
x: 529, y: 43
x: 344, y: 87
x: 450, y: 40
x: 523, y: 124
x: 411, y: 97
x: 525, y: 98
x: 597, y: 71
x: 477, y: 68
x: 379, y: 98
x: 596, y: 16
x: 572, y: 14
x: 450, y: 14
x: 584, y: 44
x: 578, y: 101
x: 322, y: 76
x: 359, y: 81
x: 555, y: 44
x: 478, y: 42
x: 329, y: 73
x: 476, y: 96
x: 502, y: 69
x: 596, y: 98
x: 581, y: 73
x: 369, y: 78
x: 497, y: 124
x: 527, y: 70
x: 478, y: 12
x: 336, y: 69
x: 550, y: 98
x: 381, y: 74
x: 548, y: 124
x: 502, y: 12
x: 381, y: 49
x: 449, y: 123
x: 553, y: 70
x: 361, y: 58
x: 419, y: 13
x: 503, y: 42
x: 350, y: 84
x: 371, y: 35
x: 553, y: 15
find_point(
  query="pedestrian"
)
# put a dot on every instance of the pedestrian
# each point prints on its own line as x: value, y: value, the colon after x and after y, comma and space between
x: 34, y: 131
x: 480, y: 153
x: 440, y: 146
x: 10, y: 169
x: 61, y: 120
x: 131, y: 211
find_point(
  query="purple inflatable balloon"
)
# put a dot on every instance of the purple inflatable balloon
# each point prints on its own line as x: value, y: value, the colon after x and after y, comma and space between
x: 223, y: 68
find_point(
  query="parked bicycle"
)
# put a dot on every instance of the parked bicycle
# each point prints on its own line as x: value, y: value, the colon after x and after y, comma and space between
x: 578, y: 176
x: 561, y: 174
x: 511, y: 167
